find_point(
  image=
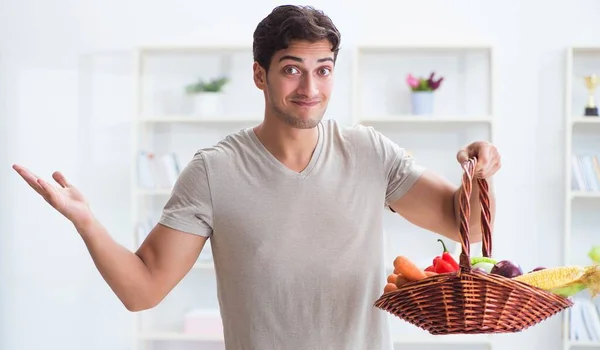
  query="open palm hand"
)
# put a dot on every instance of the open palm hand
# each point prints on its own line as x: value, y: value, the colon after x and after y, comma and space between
x: 65, y: 198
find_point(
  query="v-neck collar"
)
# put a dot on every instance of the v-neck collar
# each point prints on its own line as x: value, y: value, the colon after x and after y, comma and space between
x: 271, y: 158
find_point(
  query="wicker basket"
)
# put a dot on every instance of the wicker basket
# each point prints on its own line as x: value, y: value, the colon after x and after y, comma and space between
x: 468, y: 302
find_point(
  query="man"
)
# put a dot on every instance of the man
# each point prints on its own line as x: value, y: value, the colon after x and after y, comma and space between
x: 293, y: 208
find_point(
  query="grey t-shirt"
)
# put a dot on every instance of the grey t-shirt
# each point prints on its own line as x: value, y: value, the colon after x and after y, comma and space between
x: 299, y: 257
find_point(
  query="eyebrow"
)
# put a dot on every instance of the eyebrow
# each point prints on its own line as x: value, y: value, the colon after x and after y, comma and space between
x: 298, y: 59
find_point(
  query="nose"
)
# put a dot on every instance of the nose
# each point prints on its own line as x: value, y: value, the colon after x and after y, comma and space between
x: 308, y: 87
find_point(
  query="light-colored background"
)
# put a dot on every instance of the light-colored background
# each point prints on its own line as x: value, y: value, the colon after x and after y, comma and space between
x: 50, y: 293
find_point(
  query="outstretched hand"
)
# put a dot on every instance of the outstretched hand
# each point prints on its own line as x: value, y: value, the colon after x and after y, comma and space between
x: 488, y: 158
x: 65, y: 198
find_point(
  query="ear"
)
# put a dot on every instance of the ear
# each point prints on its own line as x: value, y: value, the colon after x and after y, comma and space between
x: 260, y: 76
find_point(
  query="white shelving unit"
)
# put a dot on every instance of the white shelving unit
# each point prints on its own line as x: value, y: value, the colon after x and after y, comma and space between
x: 582, y: 185
x: 464, y: 112
x: 164, y: 124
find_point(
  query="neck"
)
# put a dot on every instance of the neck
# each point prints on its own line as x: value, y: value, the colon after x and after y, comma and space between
x: 291, y: 146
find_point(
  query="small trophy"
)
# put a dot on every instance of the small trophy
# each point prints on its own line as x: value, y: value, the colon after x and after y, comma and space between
x: 591, y: 82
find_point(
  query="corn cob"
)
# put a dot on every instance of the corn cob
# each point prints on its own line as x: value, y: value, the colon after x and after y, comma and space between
x: 565, y: 281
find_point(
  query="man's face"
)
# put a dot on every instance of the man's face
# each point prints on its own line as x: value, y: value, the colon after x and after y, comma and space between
x: 299, y: 83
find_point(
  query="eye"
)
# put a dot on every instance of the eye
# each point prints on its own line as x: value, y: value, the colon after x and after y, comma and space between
x: 325, y: 71
x: 291, y: 70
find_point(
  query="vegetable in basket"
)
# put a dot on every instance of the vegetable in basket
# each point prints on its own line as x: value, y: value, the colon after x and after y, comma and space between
x: 484, y: 266
x: 405, y: 271
x: 594, y: 254
x: 565, y: 281
x: 478, y: 259
x: 507, y: 268
x: 443, y: 263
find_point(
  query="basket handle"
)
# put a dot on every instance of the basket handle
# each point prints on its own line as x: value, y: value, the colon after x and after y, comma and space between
x: 465, y: 214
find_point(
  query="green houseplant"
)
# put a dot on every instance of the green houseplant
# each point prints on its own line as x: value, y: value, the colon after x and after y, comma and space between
x: 207, y: 95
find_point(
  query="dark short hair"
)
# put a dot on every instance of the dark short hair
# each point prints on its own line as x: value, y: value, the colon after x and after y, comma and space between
x: 289, y: 23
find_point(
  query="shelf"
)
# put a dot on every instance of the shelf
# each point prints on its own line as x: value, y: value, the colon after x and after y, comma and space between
x: 438, y: 340
x: 170, y: 49
x: 196, y: 120
x: 418, y: 119
x: 154, y: 191
x: 581, y: 194
x: 580, y: 344
x: 581, y: 145
x: 585, y: 120
x: 420, y: 46
x: 165, y: 122
x: 180, y: 336
x: 443, y: 340
x: 204, y: 265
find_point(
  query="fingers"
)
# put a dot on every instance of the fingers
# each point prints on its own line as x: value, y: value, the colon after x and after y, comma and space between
x: 29, y: 177
x: 48, y: 192
x: 489, y: 161
x: 60, y: 179
x: 488, y: 158
x: 483, y: 155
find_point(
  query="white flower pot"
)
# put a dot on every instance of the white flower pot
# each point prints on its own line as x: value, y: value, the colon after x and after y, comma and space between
x: 208, y: 104
x: 422, y: 102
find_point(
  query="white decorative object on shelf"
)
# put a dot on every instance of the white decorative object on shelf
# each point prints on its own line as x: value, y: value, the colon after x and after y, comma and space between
x: 422, y: 102
x: 208, y: 104
x: 208, y: 96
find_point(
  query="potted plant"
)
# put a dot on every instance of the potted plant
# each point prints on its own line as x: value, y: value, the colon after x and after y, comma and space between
x: 207, y: 95
x: 422, y: 96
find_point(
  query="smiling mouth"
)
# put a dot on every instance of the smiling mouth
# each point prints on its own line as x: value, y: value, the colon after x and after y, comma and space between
x: 306, y: 103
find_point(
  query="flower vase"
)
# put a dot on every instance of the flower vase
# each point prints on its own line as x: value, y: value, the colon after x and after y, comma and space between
x: 208, y: 104
x: 422, y: 102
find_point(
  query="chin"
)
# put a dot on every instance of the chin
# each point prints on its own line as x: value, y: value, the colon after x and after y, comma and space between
x: 302, y: 118
x: 303, y: 122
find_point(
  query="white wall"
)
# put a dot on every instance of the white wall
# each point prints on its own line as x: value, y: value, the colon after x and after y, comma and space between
x: 51, y: 294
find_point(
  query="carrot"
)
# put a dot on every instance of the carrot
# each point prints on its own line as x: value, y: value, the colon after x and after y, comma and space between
x: 408, y: 269
x: 392, y: 278
x: 390, y: 287
x: 430, y: 273
x: 401, y: 280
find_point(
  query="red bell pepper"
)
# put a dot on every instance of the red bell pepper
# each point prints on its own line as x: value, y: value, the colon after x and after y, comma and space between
x: 442, y: 266
x: 430, y: 268
x: 446, y: 262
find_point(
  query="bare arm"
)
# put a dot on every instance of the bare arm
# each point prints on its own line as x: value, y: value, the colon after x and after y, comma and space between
x: 433, y: 204
x: 142, y: 279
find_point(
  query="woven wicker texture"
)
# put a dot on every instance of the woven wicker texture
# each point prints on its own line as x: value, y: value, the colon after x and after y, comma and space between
x: 470, y: 302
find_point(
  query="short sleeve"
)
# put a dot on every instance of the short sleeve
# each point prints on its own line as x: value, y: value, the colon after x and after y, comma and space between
x: 400, y: 169
x: 189, y: 209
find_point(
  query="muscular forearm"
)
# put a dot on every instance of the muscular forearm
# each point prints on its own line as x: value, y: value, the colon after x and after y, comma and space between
x: 475, y: 231
x: 124, y: 271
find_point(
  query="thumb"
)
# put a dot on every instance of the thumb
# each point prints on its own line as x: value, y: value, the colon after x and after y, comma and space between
x: 462, y: 156
x: 61, y: 179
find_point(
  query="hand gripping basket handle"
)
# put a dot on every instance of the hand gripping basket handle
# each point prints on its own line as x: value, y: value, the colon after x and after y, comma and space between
x: 465, y: 214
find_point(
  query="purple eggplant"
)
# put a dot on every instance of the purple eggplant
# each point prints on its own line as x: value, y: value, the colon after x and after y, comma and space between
x: 507, y: 269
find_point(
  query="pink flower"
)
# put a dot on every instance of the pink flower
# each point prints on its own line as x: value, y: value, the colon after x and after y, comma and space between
x: 412, y: 81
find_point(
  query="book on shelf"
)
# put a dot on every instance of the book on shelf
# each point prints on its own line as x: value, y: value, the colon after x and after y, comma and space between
x: 584, y: 321
x: 157, y: 171
x: 585, y: 172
